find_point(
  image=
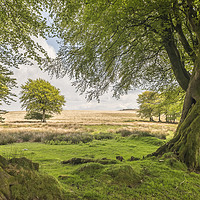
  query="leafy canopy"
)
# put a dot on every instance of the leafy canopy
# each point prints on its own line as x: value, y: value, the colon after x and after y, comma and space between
x: 154, y: 104
x: 21, y: 21
x: 6, y: 85
x: 117, y: 43
x: 40, y: 96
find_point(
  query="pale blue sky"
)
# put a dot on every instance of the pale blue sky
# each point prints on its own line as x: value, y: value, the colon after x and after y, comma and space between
x: 74, y: 101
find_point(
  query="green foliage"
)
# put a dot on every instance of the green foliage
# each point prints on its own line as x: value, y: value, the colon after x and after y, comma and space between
x: 6, y: 84
x: 21, y: 22
x: 169, y: 103
x: 117, y: 43
x: 40, y: 96
x: 36, y: 115
x: 147, y: 102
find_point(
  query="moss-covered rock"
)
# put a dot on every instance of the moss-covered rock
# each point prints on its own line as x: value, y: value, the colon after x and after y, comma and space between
x: 25, y: 163
x: 20, y: 179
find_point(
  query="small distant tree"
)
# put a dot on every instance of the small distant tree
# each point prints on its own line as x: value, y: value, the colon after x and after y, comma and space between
x: 146, y: 102
x: 40, y: 98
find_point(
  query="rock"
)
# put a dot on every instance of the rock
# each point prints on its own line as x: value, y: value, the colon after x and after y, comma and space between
x: 133, y: 158
x: 119, y: 158
x: 20, y: 179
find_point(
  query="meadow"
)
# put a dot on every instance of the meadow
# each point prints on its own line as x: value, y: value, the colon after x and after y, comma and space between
x: 79, y: 149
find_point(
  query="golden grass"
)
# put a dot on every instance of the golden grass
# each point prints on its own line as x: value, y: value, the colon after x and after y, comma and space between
x: 84, y: 121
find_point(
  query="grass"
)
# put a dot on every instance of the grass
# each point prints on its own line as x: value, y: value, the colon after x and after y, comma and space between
x: 100, y: 138
x: 148, y: 178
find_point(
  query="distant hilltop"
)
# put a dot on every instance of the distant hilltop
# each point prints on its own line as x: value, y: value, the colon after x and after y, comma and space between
x: 129, y: 109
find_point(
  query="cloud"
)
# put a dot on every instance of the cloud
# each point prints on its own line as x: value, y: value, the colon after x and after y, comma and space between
x: 74, y: 101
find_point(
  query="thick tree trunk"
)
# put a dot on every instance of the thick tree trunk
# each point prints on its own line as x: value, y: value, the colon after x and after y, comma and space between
x: 186, y: 142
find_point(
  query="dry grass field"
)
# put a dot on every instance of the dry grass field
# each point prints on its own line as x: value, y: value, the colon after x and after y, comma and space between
x: 76, y: 121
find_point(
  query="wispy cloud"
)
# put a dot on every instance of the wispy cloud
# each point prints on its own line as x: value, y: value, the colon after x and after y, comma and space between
x: 74, y: 101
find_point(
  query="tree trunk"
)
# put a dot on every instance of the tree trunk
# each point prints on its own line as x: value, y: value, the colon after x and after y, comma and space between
x: 186, y: 142
x: 43, y: 116
x: 159, y: 119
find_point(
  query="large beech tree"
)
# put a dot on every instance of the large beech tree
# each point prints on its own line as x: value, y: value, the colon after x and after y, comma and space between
x: 132, y: 43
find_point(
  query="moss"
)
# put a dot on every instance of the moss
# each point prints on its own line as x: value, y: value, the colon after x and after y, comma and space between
x: 25, y: 163
x: 3, y: 161
x: 32, y: 185
x: 19, y: 179
x: 187, y: 139
x: 4, y: 184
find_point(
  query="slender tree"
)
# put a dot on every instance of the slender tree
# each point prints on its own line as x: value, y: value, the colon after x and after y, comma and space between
x: 132, y: 43
x: 41, y: 97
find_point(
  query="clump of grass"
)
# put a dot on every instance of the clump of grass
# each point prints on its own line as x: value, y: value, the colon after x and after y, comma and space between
x: 104, y: 136
x: 4, y: 139
x: 139, y: 133
x: 75, y: 138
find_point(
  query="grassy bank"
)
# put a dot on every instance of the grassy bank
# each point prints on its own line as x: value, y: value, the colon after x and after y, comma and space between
x: 146, y: 178
x: 102, y: 155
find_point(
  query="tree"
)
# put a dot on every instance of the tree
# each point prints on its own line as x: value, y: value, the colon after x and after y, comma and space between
x: 6, y: 85
x: 21, y: 21
x: 155, y: 104
x: 41, y: 97
x: 146, y: 102
x: 129, y: 44
x: 172, y: 103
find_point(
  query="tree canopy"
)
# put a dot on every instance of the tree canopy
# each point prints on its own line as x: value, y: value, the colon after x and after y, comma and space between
x: 39, y: 96
x: 6, y: 85
x: 154, y: 104
x: 153, y: 44
x: 20, y: 22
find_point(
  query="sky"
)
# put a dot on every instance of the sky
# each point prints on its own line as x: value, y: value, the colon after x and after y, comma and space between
x: 74, y: 101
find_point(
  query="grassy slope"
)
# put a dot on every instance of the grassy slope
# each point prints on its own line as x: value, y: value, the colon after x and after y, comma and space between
x: 152, y: 178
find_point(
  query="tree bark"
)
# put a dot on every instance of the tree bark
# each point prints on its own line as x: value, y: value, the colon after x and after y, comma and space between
x: 186, y: 142
x: 43, y: 116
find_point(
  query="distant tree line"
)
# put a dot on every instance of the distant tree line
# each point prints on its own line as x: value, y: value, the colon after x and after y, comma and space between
x: 153, y: 104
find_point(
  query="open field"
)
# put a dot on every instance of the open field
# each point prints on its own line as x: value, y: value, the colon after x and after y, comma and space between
x: 69, y: 122
x: 79, y: 149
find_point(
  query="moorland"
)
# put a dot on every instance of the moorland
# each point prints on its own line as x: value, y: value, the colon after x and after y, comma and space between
x: 100, y: 155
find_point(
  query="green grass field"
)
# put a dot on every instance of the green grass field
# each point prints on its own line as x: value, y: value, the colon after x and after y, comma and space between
x: 89, y: 151
x: 148, y: 178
